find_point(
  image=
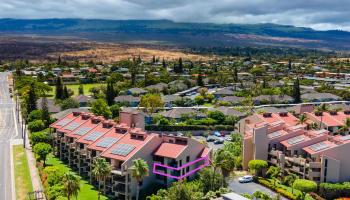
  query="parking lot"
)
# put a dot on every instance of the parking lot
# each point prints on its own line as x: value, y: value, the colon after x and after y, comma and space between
x: 249, y: 188
x: 211, y: 144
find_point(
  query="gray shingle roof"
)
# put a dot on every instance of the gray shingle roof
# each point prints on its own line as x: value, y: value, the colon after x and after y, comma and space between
x: 177, y: 113
x: 319, y: 96
x: 126, y: 98
x: 231, y: 99
x: 50, y: 104
x: 229, y: 111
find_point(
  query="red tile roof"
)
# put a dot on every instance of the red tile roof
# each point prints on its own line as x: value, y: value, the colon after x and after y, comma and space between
x: 98, y: 128
x: 329, y: 120
x: 130, y: 141
x: 328, y: 144
x: 170, y: 150
x: 79, y: 121
x: 110, y: 134
x: 68, y: 117
x: 289, y: 119
x: 88, y: 124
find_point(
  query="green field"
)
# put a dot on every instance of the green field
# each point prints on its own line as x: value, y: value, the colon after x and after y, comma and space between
x: 87, y: 191
x: 75, y: 88
x: 23, y: 181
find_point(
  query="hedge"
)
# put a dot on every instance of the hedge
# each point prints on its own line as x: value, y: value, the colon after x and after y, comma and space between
x: 335, y: 190
x: 188, y: 128
x: 277, y: 189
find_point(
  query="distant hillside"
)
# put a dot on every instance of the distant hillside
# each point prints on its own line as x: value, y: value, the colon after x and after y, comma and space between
x: 187, y: 34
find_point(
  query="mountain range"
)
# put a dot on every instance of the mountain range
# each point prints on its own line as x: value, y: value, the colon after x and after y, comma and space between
x: 182, y: 34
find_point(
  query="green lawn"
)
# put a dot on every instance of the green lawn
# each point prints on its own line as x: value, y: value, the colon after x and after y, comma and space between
x: 23, y: 182
x: 75, y: 88
x: 87, y: 191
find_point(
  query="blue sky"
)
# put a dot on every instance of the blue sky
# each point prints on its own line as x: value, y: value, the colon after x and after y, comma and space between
x: 318, y: 14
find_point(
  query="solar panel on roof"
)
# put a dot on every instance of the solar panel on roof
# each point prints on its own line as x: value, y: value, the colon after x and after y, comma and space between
x: 93, y: 136
x: 63, y: 122
x: 82, y: 130
x: 72, y: 126
x: 344, y: 138
x: 319, y: 146
x: 319, y: 132
x: 295, y: 140
x: 123, y: 149
x: 274, y: 134
x: 106, y: 142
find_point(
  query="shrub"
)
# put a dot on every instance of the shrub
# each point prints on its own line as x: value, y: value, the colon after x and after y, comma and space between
x: 115, y: 109
x: 217, y: 115
x: 36, y: 125
x: 257, y: 165
x: 41, y: 136
x: 305, y: 186
x: 285, y: 193
x: 69, y: 103
x: 41, y: 151
x: 334, y: 190
x: 55, y: 192
x: 34, y: 115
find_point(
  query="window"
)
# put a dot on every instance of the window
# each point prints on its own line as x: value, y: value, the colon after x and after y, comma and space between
x: 295, y: 152
x: 81, y: 146
x: 187, y: 159
x: 326, y: 163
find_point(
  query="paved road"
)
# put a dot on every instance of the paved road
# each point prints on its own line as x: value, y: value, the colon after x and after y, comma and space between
x: 249, y: 188
x: 7, y: 132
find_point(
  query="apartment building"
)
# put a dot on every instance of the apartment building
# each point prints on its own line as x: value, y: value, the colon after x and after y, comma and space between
x: 79, y: 138
x: 316, y: 155
x: 332, y: 121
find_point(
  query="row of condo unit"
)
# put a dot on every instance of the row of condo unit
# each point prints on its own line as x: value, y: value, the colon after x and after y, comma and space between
x: 81, y: 137
x: 319, y: 155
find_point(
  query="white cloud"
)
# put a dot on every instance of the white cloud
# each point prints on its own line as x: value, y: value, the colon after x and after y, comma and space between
x: 319, y: 14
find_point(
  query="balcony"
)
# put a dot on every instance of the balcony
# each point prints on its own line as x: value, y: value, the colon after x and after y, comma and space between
x: 117, y: 171
x: 313, y: 165
x: 314, y: 174
x: 119, y: 179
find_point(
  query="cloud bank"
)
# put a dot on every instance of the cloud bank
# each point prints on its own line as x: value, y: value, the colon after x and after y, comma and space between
x: 317, y: 14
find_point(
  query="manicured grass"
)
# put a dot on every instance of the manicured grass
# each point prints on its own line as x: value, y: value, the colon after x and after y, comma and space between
x: 75, y: 88
x: 87, y: 191
x: 23, y: 182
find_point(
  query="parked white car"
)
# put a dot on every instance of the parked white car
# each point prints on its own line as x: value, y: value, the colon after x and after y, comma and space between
x: 246, y: 179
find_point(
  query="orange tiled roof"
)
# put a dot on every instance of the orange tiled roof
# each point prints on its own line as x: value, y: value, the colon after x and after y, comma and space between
x: 170, y: 150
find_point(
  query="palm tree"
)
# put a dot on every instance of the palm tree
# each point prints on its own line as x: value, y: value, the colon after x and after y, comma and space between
x: 302, y: 119
x: 313, y: 126
x: 101, y: 169
x: 71, y: 183
x: 345, y: 128
x: 216, y: 162
x: 139, y: 171
x: 227, y: 165
x: 321, y: 109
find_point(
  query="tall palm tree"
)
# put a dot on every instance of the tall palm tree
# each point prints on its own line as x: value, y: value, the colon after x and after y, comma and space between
x: 101, y: 169
x: 345, y: 128
x: 302, y: 119
x: 139, y: 170
x: 321, y: 109
x: 227, y: 165
x: 216, y: 162
x: 71, y: 183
